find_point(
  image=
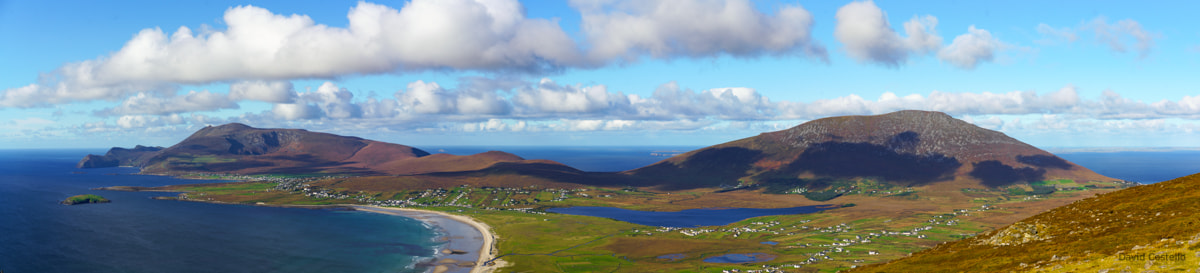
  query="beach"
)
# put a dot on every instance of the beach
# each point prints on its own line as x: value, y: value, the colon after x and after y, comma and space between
x: 470, y: 243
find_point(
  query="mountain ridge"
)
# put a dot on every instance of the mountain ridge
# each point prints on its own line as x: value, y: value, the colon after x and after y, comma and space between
x: 907, y: 147
x: 239, y: 148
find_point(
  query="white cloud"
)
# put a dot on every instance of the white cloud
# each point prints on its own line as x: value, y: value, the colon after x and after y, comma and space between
x: 291, y: 111
x: 968, y: 50
x: 1119, y: 36
x: 1116, y: 35
x: 148, y: 104
x: 259, y: 44
x: 268, y: 91
x: 550, y: 98
x: 431, y: 98
x: 259, y: 49
x: 1053, y: 35
x: 866, y: 35
x: 664, y: 29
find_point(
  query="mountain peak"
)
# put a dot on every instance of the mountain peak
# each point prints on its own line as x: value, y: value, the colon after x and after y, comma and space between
x: 906, y: 147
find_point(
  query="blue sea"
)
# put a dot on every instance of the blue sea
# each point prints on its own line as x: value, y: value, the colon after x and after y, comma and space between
x: 139, y: 234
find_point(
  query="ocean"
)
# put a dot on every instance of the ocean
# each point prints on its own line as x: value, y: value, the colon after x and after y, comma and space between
x: 139, y: 234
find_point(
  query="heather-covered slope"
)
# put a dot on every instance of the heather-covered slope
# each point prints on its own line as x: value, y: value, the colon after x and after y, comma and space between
x: 905, y: 148
x: 237, y: 148
x: 1148, y: 227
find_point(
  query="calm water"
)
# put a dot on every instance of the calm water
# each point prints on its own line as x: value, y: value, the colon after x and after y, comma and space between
x: 1142, y: 167
x: 683, y: 218
x: 137, y: 234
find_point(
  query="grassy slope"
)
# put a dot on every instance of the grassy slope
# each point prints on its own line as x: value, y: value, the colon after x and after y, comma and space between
x: 1090, y: 234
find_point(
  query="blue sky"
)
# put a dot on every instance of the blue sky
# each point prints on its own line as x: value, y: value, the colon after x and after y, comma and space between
x: 593, y: 72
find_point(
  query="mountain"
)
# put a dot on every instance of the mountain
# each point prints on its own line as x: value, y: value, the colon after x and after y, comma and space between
x: 1151, y: 227
x: 118, y: 156
x: 908, y: 148
x: 238, y: 148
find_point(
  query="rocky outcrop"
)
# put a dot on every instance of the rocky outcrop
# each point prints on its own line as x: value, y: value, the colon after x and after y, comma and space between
x: 118, y: 156
x: 97, y: 161
x: 1018, y: 233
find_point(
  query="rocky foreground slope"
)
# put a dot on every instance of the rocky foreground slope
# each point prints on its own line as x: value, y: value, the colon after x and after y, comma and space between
x: 1146, y: 228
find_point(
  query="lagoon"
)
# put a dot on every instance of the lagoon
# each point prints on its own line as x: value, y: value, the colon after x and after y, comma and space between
x: 685, y: 218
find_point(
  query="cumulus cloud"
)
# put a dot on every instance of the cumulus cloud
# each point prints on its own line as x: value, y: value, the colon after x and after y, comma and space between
x: 968, y: 50
x: 148, y: 104
x: 268, y: 91
x: 664, y: 29
x: 260, y: 45
x: 293, y: 111
x: 866, y: 35
x: 431, y: 98
x: 259, y: 49
x: 550, y: 98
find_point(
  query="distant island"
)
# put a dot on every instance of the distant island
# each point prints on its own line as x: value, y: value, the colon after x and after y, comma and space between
x: 85, y: 199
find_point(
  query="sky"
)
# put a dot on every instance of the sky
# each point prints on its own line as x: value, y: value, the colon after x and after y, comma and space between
x: 90, y: 74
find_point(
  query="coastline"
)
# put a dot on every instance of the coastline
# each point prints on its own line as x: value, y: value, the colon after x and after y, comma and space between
x: 446, y: 263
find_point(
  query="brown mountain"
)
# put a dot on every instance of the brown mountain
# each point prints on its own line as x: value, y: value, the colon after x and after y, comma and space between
x: 238, y: 148
x: 1145, y: 228
x: 906, y: 148
x: 118, y: 156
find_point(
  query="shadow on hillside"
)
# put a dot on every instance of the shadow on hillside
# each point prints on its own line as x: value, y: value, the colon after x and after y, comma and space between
x: 996, y: 174
x: 840, y: 159
x: 707, y: 168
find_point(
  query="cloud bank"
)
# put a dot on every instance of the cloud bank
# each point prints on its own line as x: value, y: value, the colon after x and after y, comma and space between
x: 259, y: 47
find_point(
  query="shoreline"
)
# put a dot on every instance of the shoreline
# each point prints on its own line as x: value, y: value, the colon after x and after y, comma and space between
x: 443, y: 262
x: 487, y: 250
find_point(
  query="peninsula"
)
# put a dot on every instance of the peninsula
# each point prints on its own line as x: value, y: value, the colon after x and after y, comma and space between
x: 898, y: 183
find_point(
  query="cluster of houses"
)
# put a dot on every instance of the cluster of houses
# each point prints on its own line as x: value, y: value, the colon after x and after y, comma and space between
x: 838, y: 245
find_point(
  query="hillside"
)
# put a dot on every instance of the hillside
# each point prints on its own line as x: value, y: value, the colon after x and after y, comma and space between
x: 241, y: 149
x: 1148, y: 227
x: 907, y: 148
x: 118, y: 156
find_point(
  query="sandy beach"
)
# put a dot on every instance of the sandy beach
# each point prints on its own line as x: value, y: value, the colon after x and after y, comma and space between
x: 463, y: 234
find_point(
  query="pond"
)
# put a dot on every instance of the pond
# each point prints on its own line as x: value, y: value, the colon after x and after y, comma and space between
x: 685, y: 218
x: 740, y: 258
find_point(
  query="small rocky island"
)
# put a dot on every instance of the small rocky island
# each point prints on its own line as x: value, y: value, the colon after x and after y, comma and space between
x: 85, y: 199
